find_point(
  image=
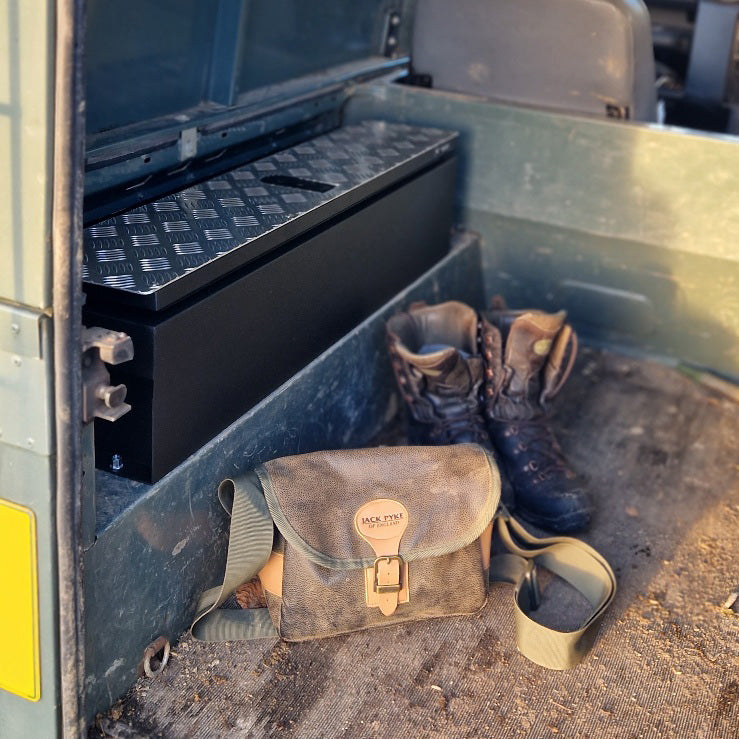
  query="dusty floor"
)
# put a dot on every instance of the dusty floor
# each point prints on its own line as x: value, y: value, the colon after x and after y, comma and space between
x: 662, y: 457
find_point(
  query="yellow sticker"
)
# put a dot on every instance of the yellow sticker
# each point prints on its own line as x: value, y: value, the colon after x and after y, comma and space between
x: 542, y: 347
x: 19, y: 640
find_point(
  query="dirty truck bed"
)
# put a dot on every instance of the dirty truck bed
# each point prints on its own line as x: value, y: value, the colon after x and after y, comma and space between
x: 661, y: 456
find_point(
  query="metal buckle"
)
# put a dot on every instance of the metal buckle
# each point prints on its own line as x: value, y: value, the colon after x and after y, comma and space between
x: 532, y: 580
x: 391, y: 587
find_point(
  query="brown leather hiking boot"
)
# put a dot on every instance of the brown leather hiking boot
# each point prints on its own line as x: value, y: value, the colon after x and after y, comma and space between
x: 436, y: 352
x: 539, y: 350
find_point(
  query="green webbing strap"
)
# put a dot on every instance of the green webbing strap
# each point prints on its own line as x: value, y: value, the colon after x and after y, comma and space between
x: 574, y: 561
x: 249, y: 547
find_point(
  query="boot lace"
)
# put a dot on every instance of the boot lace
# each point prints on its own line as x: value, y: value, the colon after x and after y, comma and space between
x: 536, y: 437
x: 459, y: 417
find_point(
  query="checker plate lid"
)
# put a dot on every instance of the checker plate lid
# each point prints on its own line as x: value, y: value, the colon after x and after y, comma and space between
x: 158, y: 253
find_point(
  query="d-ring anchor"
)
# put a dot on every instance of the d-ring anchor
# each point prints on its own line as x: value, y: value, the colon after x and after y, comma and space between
x: 160, y: 645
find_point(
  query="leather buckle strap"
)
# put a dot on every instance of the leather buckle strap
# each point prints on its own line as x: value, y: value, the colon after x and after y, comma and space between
x: 387, y: 577
x: 382, y: 523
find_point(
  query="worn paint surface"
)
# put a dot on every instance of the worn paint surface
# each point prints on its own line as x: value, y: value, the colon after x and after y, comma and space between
x: 26, y: 412
x: 665, y: 662
x: 636, y: 223
x: 26, y: 110
x: 619, y: 293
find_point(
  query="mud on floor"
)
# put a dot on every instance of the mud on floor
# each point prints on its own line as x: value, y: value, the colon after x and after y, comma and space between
x: 662, y: 458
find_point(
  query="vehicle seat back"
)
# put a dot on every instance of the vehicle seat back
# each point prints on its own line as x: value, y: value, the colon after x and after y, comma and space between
x: 580, y: 56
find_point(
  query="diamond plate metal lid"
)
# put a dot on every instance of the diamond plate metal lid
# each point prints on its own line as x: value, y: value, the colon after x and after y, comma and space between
x: 161, y: 252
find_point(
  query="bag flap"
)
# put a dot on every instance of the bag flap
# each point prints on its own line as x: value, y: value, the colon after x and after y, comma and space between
x: 451, y: 494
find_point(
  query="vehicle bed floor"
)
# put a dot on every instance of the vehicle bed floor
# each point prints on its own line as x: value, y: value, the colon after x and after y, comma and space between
x: 661, y: 454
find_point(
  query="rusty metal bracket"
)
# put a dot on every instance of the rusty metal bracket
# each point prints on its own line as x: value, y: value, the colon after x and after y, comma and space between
x: 100, y: 399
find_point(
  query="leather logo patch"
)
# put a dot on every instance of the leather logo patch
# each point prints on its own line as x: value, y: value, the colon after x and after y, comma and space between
x: 382, y: 523
x: 381, y: 519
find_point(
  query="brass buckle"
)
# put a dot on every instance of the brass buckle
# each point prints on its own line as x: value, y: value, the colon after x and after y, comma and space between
x: 391, y: 587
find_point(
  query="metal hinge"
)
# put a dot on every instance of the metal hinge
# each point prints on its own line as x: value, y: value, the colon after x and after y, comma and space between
x: 100, y: 399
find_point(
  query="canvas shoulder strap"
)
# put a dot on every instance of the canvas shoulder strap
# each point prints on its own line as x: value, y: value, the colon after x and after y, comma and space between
x: 249, y: 548
x: 574, y: 561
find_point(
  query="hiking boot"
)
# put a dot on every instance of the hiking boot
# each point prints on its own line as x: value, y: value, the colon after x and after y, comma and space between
x: 435, y: 353
x: 539, y: 350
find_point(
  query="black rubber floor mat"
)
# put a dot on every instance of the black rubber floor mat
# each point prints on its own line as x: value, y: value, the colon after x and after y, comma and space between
x: 661, y: 456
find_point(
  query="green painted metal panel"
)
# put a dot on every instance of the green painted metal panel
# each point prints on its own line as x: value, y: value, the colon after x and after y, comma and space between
x: 664, y: 302
x: 646, y: 183
x: 27, y: 478
x: 25, y: 383
x: 27, y: 462
x: 26, y: 110
x: 631, y: 227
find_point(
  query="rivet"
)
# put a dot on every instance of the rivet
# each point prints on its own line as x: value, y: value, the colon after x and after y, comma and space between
x: 17, y: 361
x: 30, y: 442
x: 15, y: 328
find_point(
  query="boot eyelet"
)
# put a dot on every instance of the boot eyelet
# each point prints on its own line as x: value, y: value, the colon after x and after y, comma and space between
x: 533, y: 467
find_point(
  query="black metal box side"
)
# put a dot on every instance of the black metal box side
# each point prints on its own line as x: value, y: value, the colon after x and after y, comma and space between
x: 210, y: 358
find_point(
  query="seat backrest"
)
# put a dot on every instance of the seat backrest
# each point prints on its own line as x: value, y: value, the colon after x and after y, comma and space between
x: 583, y: 56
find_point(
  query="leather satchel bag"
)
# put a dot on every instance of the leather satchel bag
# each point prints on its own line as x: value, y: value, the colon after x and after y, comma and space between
x: 348, y: 540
